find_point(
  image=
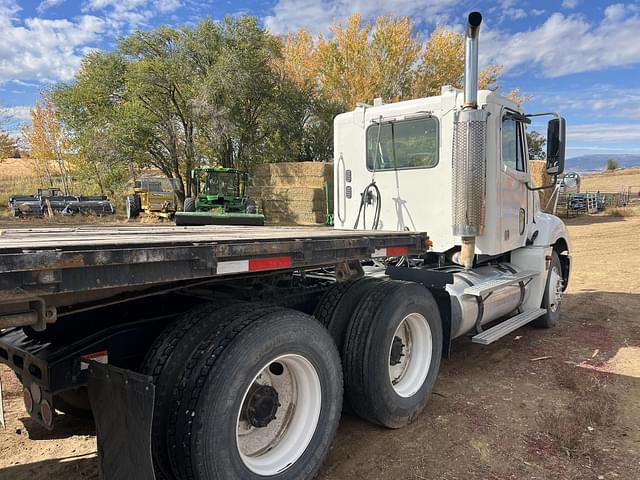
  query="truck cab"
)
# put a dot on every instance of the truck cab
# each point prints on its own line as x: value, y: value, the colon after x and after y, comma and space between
x: 407, y: 149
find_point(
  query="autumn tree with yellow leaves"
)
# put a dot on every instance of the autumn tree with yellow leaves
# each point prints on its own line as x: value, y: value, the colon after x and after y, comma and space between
x: 359, y: 61
x: 48, y: 143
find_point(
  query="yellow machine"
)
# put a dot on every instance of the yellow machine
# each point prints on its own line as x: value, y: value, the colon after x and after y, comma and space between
x: 154, y: 196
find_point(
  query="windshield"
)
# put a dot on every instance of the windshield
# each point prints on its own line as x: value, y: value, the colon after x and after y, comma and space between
x: 221, y: 183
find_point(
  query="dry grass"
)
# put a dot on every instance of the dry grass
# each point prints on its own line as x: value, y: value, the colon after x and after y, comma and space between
x: 592, y: 405
x: 620, y: 212
x: 612, y: 181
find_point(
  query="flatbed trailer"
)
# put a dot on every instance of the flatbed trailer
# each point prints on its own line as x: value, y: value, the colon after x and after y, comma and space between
x: 82, y: 309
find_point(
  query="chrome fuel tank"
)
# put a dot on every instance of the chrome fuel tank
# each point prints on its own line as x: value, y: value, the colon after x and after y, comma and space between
x: 465, y: 308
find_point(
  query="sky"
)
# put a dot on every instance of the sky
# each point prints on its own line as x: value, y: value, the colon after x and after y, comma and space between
x: 578, y: 57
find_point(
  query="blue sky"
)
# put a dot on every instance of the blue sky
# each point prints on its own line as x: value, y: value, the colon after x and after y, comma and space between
x: 579, y: 57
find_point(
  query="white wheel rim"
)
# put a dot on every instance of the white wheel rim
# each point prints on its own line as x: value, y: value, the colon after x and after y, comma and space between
x: 555, y: 289
x: 410, y: 372
x: 273, y: 448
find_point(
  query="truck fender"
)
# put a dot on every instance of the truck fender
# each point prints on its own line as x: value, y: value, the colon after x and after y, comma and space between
x: 550, y: 230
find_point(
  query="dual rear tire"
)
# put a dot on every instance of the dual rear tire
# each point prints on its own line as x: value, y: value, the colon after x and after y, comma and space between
x: 389, y: 334
x: 244, y: 392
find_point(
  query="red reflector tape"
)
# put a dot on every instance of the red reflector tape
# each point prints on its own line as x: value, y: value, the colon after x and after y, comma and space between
x: 397, y: 251
x: 257, y: 264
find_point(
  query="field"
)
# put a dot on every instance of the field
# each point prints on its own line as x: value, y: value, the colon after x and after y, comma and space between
x: 612, y: 182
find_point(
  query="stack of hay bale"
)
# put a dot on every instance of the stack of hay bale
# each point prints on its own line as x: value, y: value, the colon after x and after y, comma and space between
x: 539, y: 177
x: 291, y: 193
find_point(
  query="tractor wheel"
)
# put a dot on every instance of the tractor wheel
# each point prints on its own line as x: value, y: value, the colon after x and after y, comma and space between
x: 251, y: 206
x: 132, y: 206
x: 263, y: 403
x: 189, y: 204
x: 392, y: 353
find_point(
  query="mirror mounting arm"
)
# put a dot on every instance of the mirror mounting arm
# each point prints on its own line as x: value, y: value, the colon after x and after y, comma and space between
x: 544, y: 187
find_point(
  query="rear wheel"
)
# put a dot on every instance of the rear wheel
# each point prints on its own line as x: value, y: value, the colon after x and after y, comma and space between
x: 337, y: 305
x: 392, y: 353
x: 264, y: 403
x: 552, y: 294
x: 165, y: 362
x: 189, y: 204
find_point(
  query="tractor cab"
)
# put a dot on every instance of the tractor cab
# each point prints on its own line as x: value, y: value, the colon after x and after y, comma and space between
x: 218, y: 188
x: 219, y: 199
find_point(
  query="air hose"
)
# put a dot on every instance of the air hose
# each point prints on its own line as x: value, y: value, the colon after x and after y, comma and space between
x: 365, y: 198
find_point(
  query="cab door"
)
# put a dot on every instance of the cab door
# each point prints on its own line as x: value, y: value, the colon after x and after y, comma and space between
x: 515, y: 211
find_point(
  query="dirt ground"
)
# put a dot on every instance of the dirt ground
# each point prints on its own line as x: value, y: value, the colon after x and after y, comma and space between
x: 538, y: 404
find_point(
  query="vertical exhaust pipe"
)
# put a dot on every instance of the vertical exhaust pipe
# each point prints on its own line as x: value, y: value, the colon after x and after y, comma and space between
x: 469, y: 153
x: 471, y: 60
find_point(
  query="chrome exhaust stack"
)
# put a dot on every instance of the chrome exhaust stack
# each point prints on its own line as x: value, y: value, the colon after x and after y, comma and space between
x: 469, y: 153
x: 471, y: 60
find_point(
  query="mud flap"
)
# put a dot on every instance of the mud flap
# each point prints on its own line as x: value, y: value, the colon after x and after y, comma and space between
x: 122, y: 404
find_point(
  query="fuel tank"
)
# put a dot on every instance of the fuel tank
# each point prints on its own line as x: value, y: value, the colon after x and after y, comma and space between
x: 469, y: 310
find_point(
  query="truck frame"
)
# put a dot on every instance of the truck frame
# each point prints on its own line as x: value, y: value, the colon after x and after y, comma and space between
x: 225, y: 352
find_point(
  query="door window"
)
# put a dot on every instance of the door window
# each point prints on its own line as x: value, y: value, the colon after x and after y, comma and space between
x: 512, y: 144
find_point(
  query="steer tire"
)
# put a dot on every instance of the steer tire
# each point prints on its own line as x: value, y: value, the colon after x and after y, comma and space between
x: 367, y: 353
x: 337, y: 305
x: 165, y: 361
x: 552, y: 316
x: 207, y: 445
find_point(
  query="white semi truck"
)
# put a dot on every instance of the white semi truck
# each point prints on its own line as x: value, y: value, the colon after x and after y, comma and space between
x: 224, y: 352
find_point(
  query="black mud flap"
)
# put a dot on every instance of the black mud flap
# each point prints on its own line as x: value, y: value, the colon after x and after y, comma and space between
x: 122, y: 404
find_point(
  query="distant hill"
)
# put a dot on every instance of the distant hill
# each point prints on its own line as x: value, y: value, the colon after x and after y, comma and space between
x: 589, y: 163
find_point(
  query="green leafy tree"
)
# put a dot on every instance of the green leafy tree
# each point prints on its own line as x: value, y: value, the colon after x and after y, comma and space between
x: 535, y: 144
x: 612, y: 165
x: 176, y: 98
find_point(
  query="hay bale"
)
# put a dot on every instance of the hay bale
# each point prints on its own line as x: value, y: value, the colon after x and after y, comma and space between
x: 294, y: 194
x: 539, y: 177
x: 291, y: 193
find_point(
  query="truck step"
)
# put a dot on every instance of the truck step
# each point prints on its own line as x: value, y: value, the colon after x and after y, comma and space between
x: 484, y: 288
x: 508, y: 326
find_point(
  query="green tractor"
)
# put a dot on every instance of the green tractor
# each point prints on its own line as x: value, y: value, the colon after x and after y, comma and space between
x: 219, y: 199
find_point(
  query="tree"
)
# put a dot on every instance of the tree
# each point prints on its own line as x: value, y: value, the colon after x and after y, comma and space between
x: 48, y: 142
x: 535, y: 144
x: 612, y: 165
x: 8, y: 146
x: 176, y: 98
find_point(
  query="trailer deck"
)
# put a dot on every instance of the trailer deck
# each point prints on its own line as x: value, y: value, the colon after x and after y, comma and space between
x: 66, y: 266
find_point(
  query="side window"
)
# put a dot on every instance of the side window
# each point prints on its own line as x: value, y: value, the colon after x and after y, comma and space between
x: 403, y: 144
x: 512, y: 144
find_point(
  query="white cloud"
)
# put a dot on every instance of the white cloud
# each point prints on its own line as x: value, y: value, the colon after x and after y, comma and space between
x: 42, y: 49
x: 131, y: 14
x: 564, y: 45
x: 47, y: 4
x: 317, y: 15
x: 570, y: 4
x: 599, y: 133
x: 17, y: 114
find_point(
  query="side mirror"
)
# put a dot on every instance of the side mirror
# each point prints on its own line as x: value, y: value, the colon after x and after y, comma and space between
x: 556, y: 141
